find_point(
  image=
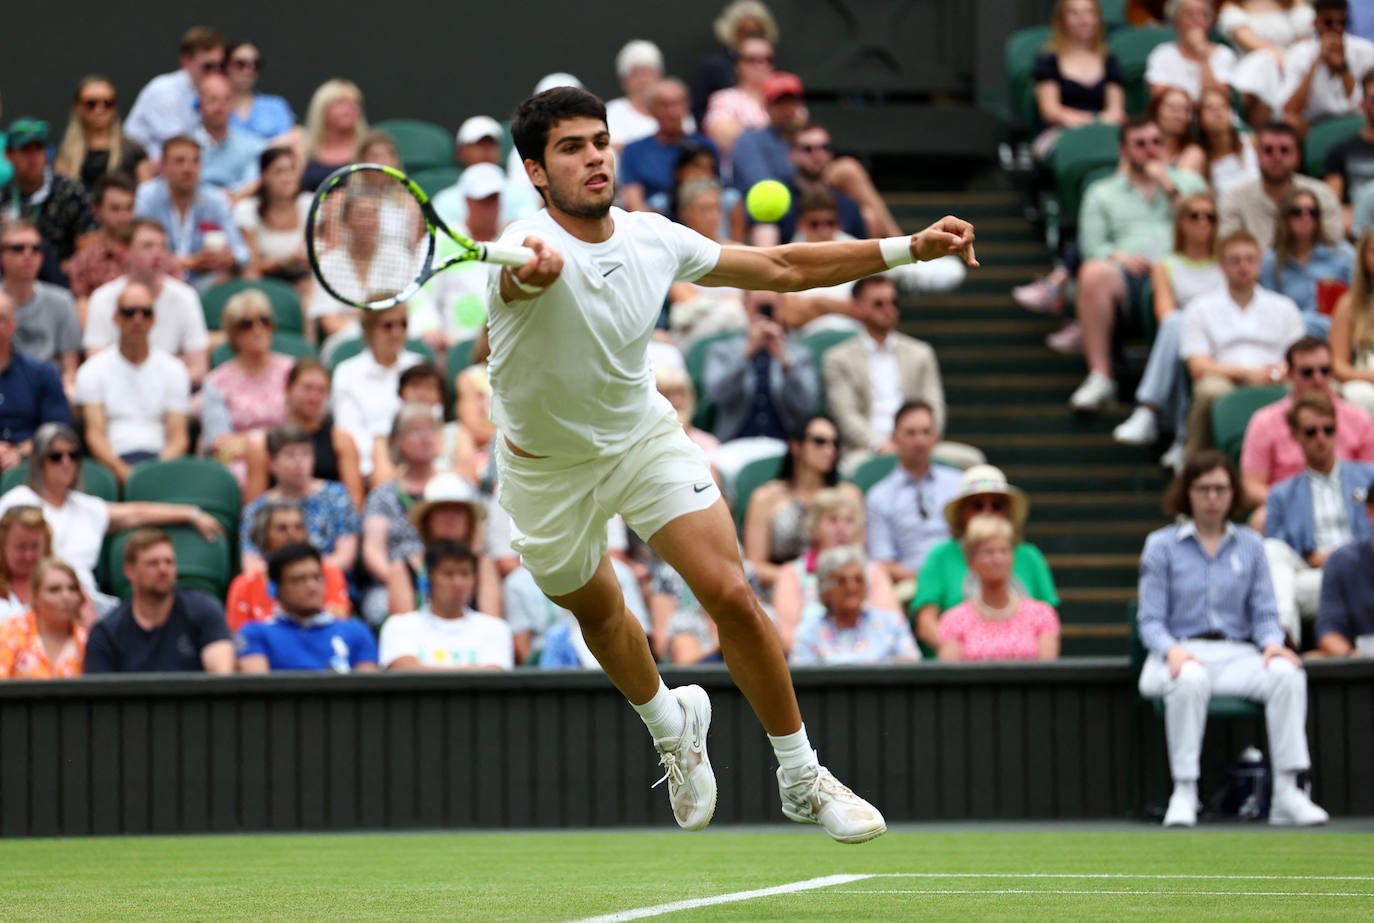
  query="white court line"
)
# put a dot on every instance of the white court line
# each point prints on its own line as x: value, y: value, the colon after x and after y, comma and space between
x: 1108, y: 875
x: 809, y: 884
x: 1303, y: 894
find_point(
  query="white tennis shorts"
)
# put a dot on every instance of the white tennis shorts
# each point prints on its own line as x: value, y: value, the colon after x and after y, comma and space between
x: 559, y: 509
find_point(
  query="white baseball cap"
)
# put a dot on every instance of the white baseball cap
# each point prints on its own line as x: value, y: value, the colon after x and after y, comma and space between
x: 481, y: 180
x: 479, y: 127
x: 557, y: 79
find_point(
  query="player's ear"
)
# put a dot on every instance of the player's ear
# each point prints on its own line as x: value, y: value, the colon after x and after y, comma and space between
x: 535, y: 171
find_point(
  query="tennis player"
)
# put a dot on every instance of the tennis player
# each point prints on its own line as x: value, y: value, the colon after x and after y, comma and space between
x: 585, y: 435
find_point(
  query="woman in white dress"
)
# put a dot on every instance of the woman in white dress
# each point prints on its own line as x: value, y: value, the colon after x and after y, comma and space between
x: 1262, y: 30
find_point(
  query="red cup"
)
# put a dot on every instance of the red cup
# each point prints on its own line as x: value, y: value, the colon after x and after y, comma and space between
x: 1329, y: 292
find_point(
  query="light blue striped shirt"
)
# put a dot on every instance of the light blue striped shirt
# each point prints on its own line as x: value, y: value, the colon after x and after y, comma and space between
x: 906, y: 515
x: 1185, y: 593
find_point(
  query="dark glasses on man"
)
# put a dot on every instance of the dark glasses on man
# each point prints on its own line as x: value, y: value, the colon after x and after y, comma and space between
x: 144, y: 311
x: 1311, y: 431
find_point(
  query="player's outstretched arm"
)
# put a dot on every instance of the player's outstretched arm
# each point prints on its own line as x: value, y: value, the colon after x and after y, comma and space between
x: 525, y: 282
x: 797, y: 267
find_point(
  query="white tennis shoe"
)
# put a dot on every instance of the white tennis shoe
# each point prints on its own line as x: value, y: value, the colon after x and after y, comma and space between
x: 817, y: 797
x: 686, y: 767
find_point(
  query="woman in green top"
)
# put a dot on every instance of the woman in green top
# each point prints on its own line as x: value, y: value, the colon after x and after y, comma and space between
x: 945, y: 580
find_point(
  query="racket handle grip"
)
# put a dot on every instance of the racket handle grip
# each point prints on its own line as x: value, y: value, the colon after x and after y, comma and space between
x: 506, y: 254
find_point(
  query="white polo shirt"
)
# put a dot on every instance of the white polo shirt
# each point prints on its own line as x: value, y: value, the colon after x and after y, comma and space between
x: 1258, y: 334
x: 178, y: 324
x: 475, y: 640
x: 1166, y: 66
x: 1326, y: 95
x: 366, y: 398
x: 569, y: 371
x: 136, y: 398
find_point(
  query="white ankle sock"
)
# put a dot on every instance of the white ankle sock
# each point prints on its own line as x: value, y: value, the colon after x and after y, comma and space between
x: 793, y: 751
x: 1186, y: 787
x: 662, y: 714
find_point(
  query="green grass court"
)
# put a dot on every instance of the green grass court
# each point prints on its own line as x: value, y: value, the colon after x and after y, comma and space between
x: 1078, y: 872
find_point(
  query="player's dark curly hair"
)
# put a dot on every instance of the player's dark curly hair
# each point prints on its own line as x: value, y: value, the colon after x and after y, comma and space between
x: 536, y: 115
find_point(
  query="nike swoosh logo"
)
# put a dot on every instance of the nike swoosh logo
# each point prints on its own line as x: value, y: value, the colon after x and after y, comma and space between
x: 697, y: 490
x: 611, y: 270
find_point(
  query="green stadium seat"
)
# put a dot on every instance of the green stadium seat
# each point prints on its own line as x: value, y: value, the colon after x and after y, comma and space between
x: 434, y: 180
x: 1132, y: 48
x: 422, y: 144
x: 1019, y: 59
x: 1113, y: 13
x: 818, y: 343
x: 201, y: 565
x: 757, y: 472
x: 350, y: 348
x: 1231, y: 412
x: 1325, y: 135
x: 292, y: 344
x: 286, y: 303
x: 96, y: 479
x: 459, y: 358
x: 200, y: 482
x: 696, y: 364
x: 1082, y: 154
x: 872, y: 470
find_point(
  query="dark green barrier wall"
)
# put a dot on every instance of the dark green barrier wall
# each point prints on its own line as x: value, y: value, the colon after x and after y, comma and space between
x: 169, y: 755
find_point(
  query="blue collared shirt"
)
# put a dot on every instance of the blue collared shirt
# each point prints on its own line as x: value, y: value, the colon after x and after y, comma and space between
x: 1299, y: 281
x: 209, y: 212
x: 30, y: 395
x: 1185, y: 593
x: 232, y: 163
x: 906, y: 515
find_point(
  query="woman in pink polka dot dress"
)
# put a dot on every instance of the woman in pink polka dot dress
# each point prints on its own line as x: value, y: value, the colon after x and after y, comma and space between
x: 997, y: 622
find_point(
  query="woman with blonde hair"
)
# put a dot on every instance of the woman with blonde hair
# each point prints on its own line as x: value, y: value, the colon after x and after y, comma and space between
x: 247, y: 394
x: 94, y: 143
x: 1304, y: 260
x: 1078, y: 81
x: 1352, y: 331
x: 1187, y: 271
x: 25, y: 539
x: 48, y: 641
x: 334, y: 125
x: 739, y: 20
x: 997, y: 622
x: 833, y: 519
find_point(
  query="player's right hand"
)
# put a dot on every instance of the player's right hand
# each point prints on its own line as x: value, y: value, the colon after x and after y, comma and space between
x: 544, y: 268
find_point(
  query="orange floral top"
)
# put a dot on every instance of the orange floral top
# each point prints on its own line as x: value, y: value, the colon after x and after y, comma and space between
x: 22, y: 655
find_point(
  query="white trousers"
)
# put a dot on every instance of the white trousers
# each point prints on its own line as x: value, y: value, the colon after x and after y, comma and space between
x: 1228, y: 668
x: 1297, y: 586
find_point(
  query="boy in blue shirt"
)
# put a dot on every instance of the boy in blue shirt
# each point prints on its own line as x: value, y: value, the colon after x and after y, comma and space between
x: 302, y: 635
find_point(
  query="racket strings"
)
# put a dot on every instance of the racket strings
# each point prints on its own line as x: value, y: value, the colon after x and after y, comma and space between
x: 370, y: 238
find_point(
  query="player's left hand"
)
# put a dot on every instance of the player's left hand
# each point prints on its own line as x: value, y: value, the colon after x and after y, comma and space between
x: 946, y: 236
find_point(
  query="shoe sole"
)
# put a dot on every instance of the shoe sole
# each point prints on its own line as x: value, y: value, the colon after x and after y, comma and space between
x: 695, y: 692
x: 1289, y: 822
x: 857, y: 838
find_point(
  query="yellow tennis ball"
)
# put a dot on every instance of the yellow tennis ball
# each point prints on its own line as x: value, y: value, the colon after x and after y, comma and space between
x: 767, y: 200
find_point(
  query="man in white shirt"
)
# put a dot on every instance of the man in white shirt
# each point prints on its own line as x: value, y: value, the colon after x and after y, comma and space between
x: 1322, y: 74
x: 584, y: 434
x: 135, y: 399
x: 179, y: 325
x: 447, y: 634
x: 1236, y: 335
x: 478, y: 140
x: 1192, y: 62
x: 166, y: 106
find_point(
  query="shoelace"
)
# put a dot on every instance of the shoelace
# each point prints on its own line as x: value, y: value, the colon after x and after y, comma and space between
x: 671, y: 770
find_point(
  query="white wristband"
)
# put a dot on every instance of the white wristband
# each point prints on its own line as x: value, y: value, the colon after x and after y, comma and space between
x: 896, y: 251
x: 524, y: 286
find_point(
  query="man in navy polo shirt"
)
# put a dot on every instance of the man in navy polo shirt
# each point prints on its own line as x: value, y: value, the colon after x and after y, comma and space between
x: 302, y: 635
x: 30, y: 394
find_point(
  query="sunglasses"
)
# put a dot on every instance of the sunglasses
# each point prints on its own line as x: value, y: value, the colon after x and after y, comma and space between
x: 1147, y: 142
x: 246, y: 64
x: 1308, y: 371
x: 1311, y: 431
x: 103, y: 102
x: 822, y: 440
x: 23, y: 248
x: 1334, y: 22
x: 144, y: 311
x: 1303, y: 211
x: 212, y: 67
x: 1210, y: 217
x: 248, y: 323
x: 60, y: 456
x: 987, y: 505
x: 814, y: 148
x: 1277, y: 150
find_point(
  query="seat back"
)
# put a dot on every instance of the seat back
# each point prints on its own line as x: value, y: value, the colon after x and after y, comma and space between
x: 873, y: 470
x: 196, y: 481
x: 1018, y: 56
x: 96, y: 480
x: 286, y: 303
x: 1231, y: 413
x: 422, y: 145
x: 696, y: 364
x: 434, y: 180
x: 1082, y: 154
x: 757, y: 472
x: 1325, y: 135
x: 1132, y: 48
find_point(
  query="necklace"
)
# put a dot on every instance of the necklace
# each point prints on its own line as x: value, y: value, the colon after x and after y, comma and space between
x: 998, y: 613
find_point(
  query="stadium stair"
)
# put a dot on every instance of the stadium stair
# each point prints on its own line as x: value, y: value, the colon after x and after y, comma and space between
x: 1092, y: 501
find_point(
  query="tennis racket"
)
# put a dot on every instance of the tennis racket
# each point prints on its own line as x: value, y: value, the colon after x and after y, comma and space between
x: 371, y: 238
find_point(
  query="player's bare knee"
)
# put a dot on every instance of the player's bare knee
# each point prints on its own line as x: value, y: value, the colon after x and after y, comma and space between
x: 731, y: 600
